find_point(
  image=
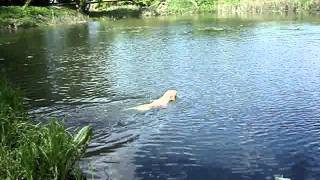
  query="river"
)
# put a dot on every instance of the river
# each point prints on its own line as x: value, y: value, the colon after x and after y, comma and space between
x: 248, y: 105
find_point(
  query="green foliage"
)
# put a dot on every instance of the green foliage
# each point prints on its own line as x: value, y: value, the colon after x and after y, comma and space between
x: 12, y: 116
x: 9, y: 99
x: 15, y: 16
x: 52, y: 152
x: 206, y: 5
x: 142, y: 2
x: 26, y: 4
x: 303, y: 1
x: 234, y: 2
x: 33, y: 151
x: 196, y: 6
x: 181, y: 6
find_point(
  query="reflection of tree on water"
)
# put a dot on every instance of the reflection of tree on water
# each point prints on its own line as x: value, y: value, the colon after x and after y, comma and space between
x: 78, y: 64
x: 66, y: 64
x: 24, y: 64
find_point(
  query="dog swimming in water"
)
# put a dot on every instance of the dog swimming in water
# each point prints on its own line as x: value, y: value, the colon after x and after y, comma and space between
x: 162, y: 102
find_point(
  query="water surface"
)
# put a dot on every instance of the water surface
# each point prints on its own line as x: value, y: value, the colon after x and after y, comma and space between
x: 248, y: 102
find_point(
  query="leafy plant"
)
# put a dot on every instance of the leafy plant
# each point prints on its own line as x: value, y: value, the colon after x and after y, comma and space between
x: 35, y: 151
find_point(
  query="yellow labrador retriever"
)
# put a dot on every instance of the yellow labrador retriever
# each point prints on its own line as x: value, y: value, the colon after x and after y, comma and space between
x: 162, y: 102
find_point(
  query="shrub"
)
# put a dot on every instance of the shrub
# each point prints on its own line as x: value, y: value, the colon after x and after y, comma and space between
x: 35, y: 151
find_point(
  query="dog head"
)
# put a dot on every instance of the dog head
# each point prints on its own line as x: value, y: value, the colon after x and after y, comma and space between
x: 170, y: 95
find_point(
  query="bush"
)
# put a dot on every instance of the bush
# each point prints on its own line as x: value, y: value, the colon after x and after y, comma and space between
x: 13, y: 17
x: 34, y: 151
x: 182, y: 6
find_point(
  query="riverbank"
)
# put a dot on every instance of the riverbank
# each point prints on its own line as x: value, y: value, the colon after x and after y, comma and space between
x: 14, y: 17
x: 237, y: 6
x: 34, y: 151
x: 268, y: 7
x: 218, y: 7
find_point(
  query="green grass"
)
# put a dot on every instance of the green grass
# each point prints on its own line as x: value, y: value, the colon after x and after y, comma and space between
x: 200, y: 6
x: 182, y: 7
x: 13, y: 17
x: 35, y: 151
x: 236, y: 2
x: 268, y: 6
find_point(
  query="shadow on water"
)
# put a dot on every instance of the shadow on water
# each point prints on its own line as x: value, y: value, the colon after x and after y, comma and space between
x: 300, y: 168
x: 189, y: 173
x: 109, y: 145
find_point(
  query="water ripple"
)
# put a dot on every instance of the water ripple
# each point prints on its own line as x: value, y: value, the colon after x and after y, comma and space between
x: 248, y: 102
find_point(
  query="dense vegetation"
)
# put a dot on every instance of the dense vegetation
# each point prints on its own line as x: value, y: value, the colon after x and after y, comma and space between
x: 178, y: 6
x: 13, y: 17
x: 167, y: 7
x: 208, y: 2
x: 80, y: 3
x: 192, y: 6
x: 34, y: 151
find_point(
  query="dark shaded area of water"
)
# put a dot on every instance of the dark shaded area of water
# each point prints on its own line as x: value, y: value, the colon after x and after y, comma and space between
x: 248, y: 103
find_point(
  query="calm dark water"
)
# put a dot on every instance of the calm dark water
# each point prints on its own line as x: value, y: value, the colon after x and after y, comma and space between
x: 248, y: 103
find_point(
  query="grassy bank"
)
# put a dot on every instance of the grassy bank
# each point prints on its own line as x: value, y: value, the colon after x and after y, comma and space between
x: 35, y: 151
x: 140, y: 8
x: 167, y: 7
x: 239, y: 6
x: 14, y: 17
x: 268, y: 6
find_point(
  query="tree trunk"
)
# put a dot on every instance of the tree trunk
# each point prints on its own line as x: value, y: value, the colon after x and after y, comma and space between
x: 26, y: 4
